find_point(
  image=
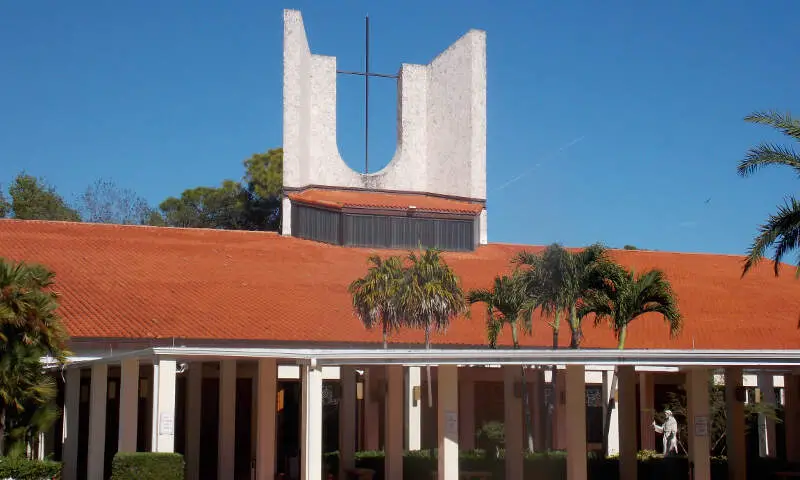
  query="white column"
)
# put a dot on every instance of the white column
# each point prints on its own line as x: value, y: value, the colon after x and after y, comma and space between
x: 267, y: 385
x: 512, y: 421
x: 227, y: 419
x: 128, y: 405
x: 72, y: 399
x: 735, y: 426
x: 766, y: 424
x: 627, y: 422
x: 95, y: 461
x: 466, y: 410
x: 194, y: 416
x: 347, y: 419
x: 413, y: 409
x: 610, y: 396
x: 164, y: 405
x: 791, y: 384
x: 647, y: 412
x: 699, y: 423
x: 394, y: 428
x: 311, y: 424
x: 576, y: 422
x: 43, y: 445
x: 448, y: 422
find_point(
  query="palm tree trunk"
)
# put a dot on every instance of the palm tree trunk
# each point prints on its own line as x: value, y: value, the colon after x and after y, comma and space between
x: 575, y: 328
x: 549, y: 419
x: 428, y: 367
x: 526, y: 401
x: 385, y: 339
x: 623, y: 334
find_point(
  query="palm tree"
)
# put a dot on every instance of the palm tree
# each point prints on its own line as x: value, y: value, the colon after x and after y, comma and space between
x: 623, y: 297
x: 375, y: 296
x: 627, y: 296
x: 30, y: 328
x: 782, y: 229
x: 558, y: 278
x: 430, y: 296
x: 508, y: 304
x: 27, y: 394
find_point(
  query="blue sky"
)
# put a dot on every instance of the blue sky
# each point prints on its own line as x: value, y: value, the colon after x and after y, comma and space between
x: 607, y: 121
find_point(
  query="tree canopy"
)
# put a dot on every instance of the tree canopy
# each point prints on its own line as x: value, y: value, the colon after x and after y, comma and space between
x: 33, y: 199
x: 106, y: 202
x: 252, y: 203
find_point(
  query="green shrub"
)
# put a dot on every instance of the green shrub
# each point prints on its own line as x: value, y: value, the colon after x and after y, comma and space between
x: 20, y: 468
x: 552, y: 465
x: 147, y: 466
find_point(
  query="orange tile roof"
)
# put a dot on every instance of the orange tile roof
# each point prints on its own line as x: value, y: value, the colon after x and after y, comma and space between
x: 339, y: 199
x: 148, y: 282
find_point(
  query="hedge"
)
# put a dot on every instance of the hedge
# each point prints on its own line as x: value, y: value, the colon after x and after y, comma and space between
x: 552, y: 465
x: 20, y: 468
x: 147, y: 466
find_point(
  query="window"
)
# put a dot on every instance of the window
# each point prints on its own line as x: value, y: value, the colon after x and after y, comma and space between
x: 383, y: 231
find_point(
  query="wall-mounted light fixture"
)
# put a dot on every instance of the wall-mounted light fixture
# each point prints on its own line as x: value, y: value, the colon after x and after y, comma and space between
x: 416, y: 394
x: 84, y: 393
x: 112, y: 390
x: 279, y: 401
x: 359, y: 390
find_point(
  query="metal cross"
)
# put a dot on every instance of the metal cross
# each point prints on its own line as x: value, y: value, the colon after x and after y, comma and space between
x: 366, y: 74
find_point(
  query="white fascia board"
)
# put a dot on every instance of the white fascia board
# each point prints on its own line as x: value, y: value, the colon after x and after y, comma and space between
x: 49, y: 363
x: 765, y: 359
x: 667, y: 358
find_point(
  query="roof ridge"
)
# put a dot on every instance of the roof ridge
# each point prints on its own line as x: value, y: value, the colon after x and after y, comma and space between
x: 631, y: 251
x: 144, y: 227
x: 277, y: 234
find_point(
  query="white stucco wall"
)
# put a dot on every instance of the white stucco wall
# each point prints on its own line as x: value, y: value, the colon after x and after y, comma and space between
x: 441, y: 145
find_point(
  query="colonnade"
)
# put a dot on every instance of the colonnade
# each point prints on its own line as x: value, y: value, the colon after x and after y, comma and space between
x: 401, y: 388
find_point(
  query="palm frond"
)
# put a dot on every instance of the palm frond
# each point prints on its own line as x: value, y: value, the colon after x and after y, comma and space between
x: 430, y: 295
x: 493, y: 329
x: 782, y: 228
x: 375, y: 296
x: 765, y: 155
x: 780, y: 121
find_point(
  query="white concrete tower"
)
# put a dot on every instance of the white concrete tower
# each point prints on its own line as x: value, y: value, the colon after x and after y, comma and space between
x: 441, y: 144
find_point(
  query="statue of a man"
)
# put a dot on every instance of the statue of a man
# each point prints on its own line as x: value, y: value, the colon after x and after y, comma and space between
x: 670, y: 431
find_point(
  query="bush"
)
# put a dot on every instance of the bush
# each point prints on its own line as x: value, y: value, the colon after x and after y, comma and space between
x: 552, y: 465
x: 147, y: 466
x: 20, y: 468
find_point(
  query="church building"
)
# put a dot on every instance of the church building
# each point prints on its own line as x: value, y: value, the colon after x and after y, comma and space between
x: 241, y: 350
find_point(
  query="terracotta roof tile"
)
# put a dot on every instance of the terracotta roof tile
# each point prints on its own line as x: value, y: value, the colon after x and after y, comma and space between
x: 339, y: 199
x: 146, y: 282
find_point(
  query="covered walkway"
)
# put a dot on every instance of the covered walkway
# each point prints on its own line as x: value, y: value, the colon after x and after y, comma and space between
x: 402, y: 371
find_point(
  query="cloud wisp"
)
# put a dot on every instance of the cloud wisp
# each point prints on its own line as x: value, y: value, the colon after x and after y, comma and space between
x: 537, y: 165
